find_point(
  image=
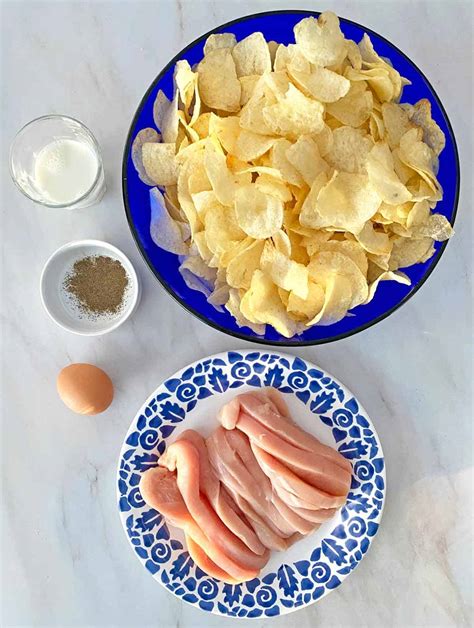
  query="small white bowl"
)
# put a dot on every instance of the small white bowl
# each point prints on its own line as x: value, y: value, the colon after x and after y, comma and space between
x: 59, y: 305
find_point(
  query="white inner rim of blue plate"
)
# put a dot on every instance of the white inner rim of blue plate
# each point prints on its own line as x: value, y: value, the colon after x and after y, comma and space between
x: 320, y: 404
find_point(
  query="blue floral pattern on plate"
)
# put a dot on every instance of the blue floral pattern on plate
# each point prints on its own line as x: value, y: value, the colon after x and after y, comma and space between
x: 292, y: 584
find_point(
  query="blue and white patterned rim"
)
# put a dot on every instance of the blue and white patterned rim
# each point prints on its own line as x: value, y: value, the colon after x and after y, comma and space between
x: 293, y: 584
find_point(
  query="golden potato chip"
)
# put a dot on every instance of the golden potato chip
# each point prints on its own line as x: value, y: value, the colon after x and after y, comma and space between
x: 371, y: 59
x: 349, y: 150
x: 290, y: 58
x: 201, y: 125
x: 219, y: 175
x: 376, y: 242
x: 321, y: 41
x: 233, y: 306
x: 219, y: 40
x: 294, y: 115
x: 192, y: 167
x: 172, y: 202
x: 324, y: 140
x: 242, y: 266
x: 249, y: 146
x: 419, y: 156
x: 284, y: 272
x: 252, y: 119
x: 217, y: 81
x: 337, y: 300
x: 378, y: 79
x: 436, y: 227
x: 259, y: 215
x: 226, y: 130
x: 282, y: 243
x: 248, y: 85
x: 355, y: 107
x: 418, y: 214
x: 166, y: 232
x: 328, y: 263
x: 159, y: 163
x: 145, y: 136
x: 408, y: 251
x: 304, y: 156
x: 347, y: 201
x: 274, y: 86
x: 382, y: 175
x: 322, y: 84
x: 350, y: 249
x: 310, y: 306
x: 269, y: 184
x: 221, y: 228
x: 202, y: 200
x: 186, y: 81
x: 396, y: 122
x: 252, y: 56
x: 353, y: 54
x: 262, y: 304
x: 280, y: 161
x: 432, y: 134
x: 165, y: 116
x: 310, y: 216
x: 386, y: 276
x: 376, y: 127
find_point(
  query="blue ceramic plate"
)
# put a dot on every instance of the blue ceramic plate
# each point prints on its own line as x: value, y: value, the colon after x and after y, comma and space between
x: 321, y: 405
x: 278, y: 25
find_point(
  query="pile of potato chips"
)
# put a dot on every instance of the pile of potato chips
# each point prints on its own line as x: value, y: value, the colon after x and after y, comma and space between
x: 291, y: 180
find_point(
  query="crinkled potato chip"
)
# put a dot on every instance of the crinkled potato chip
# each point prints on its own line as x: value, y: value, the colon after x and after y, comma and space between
x: 145, y: 136
x: 258, y: 214
x: 322, y: 84
x: 252, y: 56
x: 219, y: 40
x: 159, y: 163
x: 218, y: 83
x: 321, y: 41
x: 294, y: 115
x: 382, y: 176
x: 294, y: 181
x: 355, y: 107
x: 349, y: 150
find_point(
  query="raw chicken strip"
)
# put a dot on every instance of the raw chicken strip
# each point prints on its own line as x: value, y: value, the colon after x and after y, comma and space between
x: 205, y: 563
x: 183, y: 457
x: 241, y: 445
x: 210, y: 485
x: 234, y: 474
x: 317, y: 470
x: 279, y: 424
x: 160, y: 491
x: 281, y: 475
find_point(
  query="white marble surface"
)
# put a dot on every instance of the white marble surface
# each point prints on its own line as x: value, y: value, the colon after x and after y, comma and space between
x: 65, y: 558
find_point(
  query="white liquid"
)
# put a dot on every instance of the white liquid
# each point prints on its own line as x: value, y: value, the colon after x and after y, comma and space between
x: 65, y: 170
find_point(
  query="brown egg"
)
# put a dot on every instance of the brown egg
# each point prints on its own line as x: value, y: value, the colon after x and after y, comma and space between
x: 85, y: 388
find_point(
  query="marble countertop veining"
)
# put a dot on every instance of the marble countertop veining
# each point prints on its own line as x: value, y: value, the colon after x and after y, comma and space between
x: 65, y: 558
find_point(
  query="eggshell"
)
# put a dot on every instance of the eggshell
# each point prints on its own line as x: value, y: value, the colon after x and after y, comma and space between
x: 85, y: 388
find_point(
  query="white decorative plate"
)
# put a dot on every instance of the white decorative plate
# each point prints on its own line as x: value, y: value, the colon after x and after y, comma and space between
x: 320, y: 404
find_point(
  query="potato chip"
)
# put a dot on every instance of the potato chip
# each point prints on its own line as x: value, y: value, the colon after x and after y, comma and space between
x: 252, y: 119
x: 436, y: 227
x: 349, y: 150
x: 324, y: 140
x: 166, y: 232
x: 347, y: 201
x: 350, y: 249
x: 217, y: 81
x: 304, y: 156
x: 321, y: 41
x: 233, y: 306
x: 221, y: 228
x: 226, y: 130
x: 272, y: 48
x: 274, y: 86
x: 242, y: 266
x: 248, y: 85
x: 378, y: 79
x: 219, y: 175
x: 376, y: 242
x: 219, y: 40
x: 280, y: 161
x: 396, y: 122
x: 159, y: 163
x: 165, y: 116
x: 262, y: 304
x: 322, y: 84
x: 282, y: 243
x: 353, y: 54
x: 419, y: 156
x: 382, y: 176
x: 371, y: 59
x: 337, y: 300
x: 145, y: 136
x: 290, y: 58
x: 249, y: 146
x: 294, y: 115
x: 386, y: 276
x: 408, y: 251
x: 269, y: 184
x: 419, y: 214
x: 432, y: 134
x: 309, y: 307
x: 310, y: 216
x: 252, y: 56
x: 355, y: 107
x: 201, y: 125
x: 202, y: 200
x: 186, y: 81
x: 284, y: 272
x: 193, y: 167
x: 328, y: 263
x: 259, y: 215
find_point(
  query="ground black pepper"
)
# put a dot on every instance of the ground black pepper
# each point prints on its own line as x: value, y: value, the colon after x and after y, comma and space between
x: 98, y: 283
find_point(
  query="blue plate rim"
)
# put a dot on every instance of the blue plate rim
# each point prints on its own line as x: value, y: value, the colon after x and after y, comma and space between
x: 243, y: 336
